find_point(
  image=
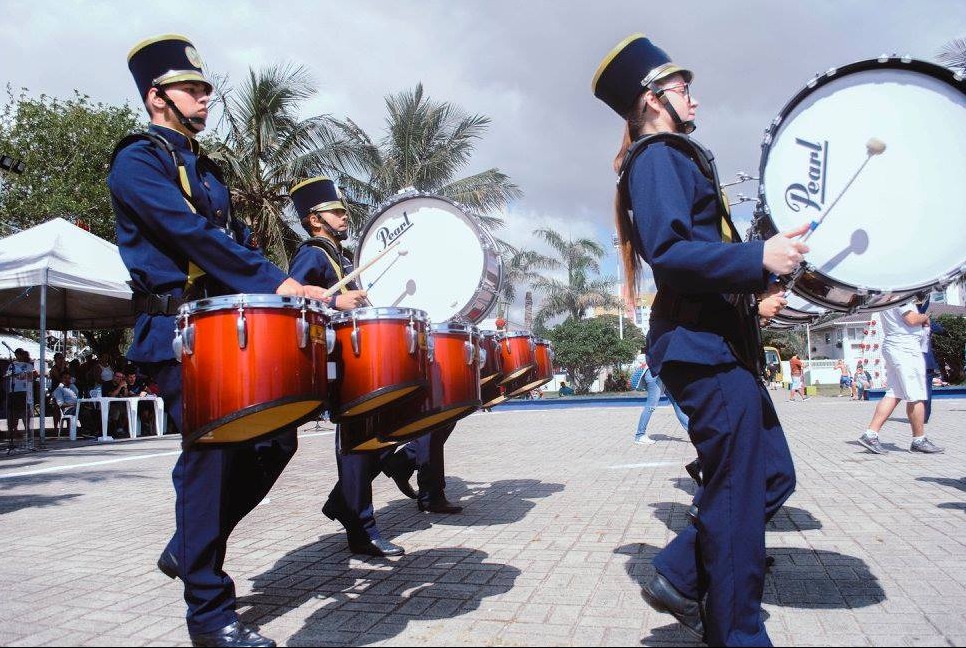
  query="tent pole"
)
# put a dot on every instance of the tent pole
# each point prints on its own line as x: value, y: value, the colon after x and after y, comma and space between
x: 43, y: 362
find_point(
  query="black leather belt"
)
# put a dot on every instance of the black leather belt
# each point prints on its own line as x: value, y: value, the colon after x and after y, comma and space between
x: 687, y: 309
x: 156, y: 304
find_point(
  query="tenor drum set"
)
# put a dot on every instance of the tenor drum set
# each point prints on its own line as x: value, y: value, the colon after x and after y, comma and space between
x: 413, y: 362
x: 870, y: 154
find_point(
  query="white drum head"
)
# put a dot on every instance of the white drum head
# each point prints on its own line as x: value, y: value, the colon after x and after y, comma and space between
x: 450, y: 268
x: 804, y: 306
x: 901, y: 225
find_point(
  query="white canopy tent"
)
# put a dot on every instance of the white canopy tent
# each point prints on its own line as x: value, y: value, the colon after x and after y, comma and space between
x: 58, y: 276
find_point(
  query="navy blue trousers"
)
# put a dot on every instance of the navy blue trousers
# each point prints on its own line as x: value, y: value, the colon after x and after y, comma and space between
x: 352, y: 494
x: 748, y: 474
x: 214, y: 489
x: 426, y: 456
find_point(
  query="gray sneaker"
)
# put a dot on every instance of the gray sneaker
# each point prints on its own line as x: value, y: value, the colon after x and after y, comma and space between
x: 925, y: 446
x: 872, y: 443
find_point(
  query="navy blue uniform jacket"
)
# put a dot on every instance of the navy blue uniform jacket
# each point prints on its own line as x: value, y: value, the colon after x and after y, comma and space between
x: 679, y: 235
x: 310, y: 266
x: 157, y: 234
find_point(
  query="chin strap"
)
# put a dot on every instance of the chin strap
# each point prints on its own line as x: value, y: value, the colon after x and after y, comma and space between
x: 187, y: 122
x: 685, y: 127
x: 334, y: 233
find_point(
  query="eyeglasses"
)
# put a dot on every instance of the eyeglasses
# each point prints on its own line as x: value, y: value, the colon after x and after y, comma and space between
x: 683, y: 89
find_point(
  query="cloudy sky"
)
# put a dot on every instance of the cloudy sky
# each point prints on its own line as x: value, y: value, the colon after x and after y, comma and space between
x: 526, y: 64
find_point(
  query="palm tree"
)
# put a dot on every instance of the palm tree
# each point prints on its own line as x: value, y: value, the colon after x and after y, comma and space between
x: 953, y: 55
x: 580, y: 291
x: 520, y: 268
x: 425, y: 145
x: 263, y: 146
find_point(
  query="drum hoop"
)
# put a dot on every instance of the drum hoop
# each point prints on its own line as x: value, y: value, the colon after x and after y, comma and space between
x: 456, y: 327
x: 487, y: 290
x: 388, y: 313
x: 514, y: 334
x: 233, y: 302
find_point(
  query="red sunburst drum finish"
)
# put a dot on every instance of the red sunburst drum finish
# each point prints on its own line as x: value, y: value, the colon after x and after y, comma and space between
x: 492, y: 367
x: 516, y: 354
x: 251, y: 364
x: 380, y: 356
x: 541, y: 374
x: 454, y: 392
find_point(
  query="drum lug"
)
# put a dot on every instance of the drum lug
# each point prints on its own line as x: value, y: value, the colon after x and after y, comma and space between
x: 241, y: 329
x: 412, y: 337
x: 302, y: 331
x: 188, y: 339
x: 329, y: 340
x: 356, y: 344
x: 483, y: 356
x: 470, y: 352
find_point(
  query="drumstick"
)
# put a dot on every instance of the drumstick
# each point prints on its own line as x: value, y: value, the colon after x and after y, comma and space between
x: 355, y: 273
x: 873, y: 147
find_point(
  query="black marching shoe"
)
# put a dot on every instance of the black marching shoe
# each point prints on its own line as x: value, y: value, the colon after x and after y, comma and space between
x: 375, y: 547
x: 233, y: 634
x: 663, y: 597
x: 403, y: 484
x: 168, y: 564
x: 443, y: 506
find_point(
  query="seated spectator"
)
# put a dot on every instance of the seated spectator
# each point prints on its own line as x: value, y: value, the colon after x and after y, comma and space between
x: 863, y: 382
x: 565, y: 390
x: 56, y: 370
x: 117, y: 412
x: 65, y: 396
x: 105, y: 372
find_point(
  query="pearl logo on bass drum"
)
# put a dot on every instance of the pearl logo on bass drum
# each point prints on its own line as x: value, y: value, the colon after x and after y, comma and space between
x: 387, y: 236
x: 811, y: 194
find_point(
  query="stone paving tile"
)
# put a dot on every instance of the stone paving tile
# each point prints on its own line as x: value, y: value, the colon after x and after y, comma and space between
x: 562, y: 518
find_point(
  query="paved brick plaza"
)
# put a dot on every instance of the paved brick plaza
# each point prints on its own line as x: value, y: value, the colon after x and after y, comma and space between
x: 562, y: 516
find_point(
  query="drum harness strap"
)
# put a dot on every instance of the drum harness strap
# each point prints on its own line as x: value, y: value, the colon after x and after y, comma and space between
x: 194, y: 287
x: 688, y: 309
x: 331, y: 252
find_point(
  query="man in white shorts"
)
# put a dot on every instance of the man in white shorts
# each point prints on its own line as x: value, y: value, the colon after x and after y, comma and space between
x: 906, y: 371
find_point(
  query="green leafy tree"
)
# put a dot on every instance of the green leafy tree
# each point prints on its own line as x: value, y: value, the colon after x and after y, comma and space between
x: 583, y: 347
x: 520, y: 268
x: 582, y: 290
x: 788, y: 343
x: 953, y: 55
x: 66, y: 145
x: 263, y: 147
x: 425, y: 145
x: 950, y: 346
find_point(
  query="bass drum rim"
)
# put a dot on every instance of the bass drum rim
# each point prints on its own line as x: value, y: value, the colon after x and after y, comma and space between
x: 490, y: 284
x: 862, y: 298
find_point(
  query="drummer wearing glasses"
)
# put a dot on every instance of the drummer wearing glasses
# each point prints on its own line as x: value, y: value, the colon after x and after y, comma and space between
x: 321, y: 260
x: 177, y: 237
x: 703, y: 342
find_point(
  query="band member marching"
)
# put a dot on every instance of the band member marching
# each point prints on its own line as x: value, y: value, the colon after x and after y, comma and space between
x: 703, y: 342
x: 321, y: 260
x: 178, y: 239
x: 425, y: 456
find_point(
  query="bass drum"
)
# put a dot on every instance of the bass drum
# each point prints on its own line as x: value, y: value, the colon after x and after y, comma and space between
x: 451, y: 267
x: 893, y: 232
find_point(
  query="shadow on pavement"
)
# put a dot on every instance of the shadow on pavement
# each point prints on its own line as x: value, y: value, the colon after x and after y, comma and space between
x: 11, y: 503
x: 500, y: 502
x: 959, y: 484
x: 665, y: 437
x: 789, y: 518
x: 800, y: 578
x: 361, y: 602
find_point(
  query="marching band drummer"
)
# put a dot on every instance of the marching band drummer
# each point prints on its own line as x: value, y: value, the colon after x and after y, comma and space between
x: 321, y: 260
x: 425, y: 456
x: 179, y: 242
x: 703, y: 343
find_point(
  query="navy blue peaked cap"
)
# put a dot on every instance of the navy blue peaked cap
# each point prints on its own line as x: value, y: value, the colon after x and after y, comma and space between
x: 315, y: 194
x: 629, y: 69
x: 164, y: 59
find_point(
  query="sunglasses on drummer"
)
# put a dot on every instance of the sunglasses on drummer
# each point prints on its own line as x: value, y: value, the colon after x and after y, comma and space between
x: 683, y: 89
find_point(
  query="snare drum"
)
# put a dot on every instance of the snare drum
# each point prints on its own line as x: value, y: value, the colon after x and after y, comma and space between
x: 893, y: 231
x: 517, y: 354
x: 454, y: 390
x: 380, y: 356
x: 491, y: 367
x: 541, y: 374
x: 250, y: 364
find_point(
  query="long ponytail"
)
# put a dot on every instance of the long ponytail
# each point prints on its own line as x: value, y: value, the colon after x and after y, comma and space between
x: 630, y: 262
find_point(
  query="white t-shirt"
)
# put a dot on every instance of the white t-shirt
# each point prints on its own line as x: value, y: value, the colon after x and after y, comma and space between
x: 65, y: 395
x: 22, y: 373
x: 899, y: 335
